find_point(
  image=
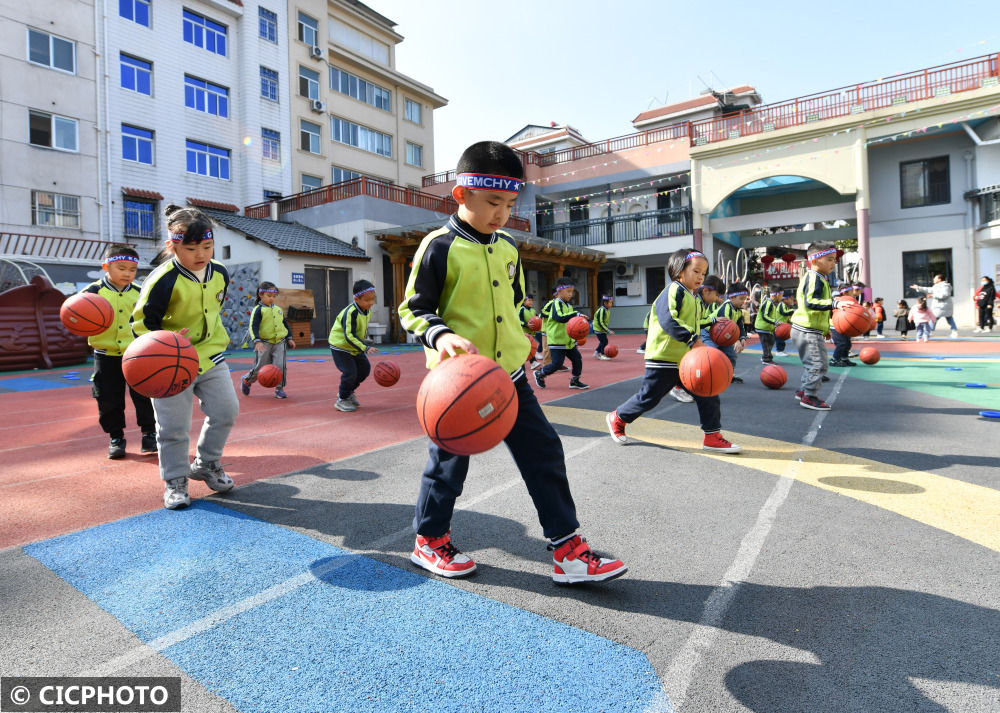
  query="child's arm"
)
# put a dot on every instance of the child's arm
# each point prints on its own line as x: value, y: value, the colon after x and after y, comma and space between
x: 351, y: 330
x: 669, y: 305
x: 288, y: 328
x: 815, y: 298
x: 154, y: 299
x: 418, y: 310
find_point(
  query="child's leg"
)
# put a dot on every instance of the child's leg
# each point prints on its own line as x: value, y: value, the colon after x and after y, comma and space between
x: 766, y: 343
x: 812, y: 351
x: 348, y: 372
x: 173, y: 423
x: 538, y: 453
x: 558, y: 355
x: 215, y: 391
x: 841, y: 346
x: 440, y: 485
x: 878, y: 328
x: 779, y: 344
x: 109, y: 390
x: 144, y: 415
x: 577, y: 362
x: 710, y: 413
x: 546, y: 353
x: 259, y: 360
x: 538, y: 346
x: 277, y: 355
x: 363, y: 368
x: 602, y: 341
x: 656, y: 383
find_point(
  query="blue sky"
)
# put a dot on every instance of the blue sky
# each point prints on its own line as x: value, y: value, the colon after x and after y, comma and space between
x: 596, y: 65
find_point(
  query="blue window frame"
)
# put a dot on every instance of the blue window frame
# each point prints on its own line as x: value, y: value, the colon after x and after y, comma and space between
x: 137, y: 144
x: 357, y: 88
x: 269, y: 84
x: 308, y: 30
x: 204, y: 33
x: 268, y: 23
x: 135, y: 10
x: 140, y: 219
x: 137, y: 75
x: 270, y: 146
x: 207, y: 160
x: 347, y: 132
x: 205, y: 96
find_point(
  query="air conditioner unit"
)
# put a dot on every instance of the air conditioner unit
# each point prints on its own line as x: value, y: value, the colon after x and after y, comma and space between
x: 317, y: 52
x: 624, y: 270
x: 318, y: 106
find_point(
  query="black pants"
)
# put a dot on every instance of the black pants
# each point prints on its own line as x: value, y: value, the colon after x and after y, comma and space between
x: 841, y: 345
x: 558, y: 355
x: 766, y: 344
x: 109, y: 390
x: 538, y: 453
x: 985, y: 317
x: 354, y: 368
x: 602, y: 341
x: 657, y: 383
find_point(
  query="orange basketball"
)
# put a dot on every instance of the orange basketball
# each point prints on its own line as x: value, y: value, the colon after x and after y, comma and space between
x: 86, y: 314
x: 705, y: 371
x: 724, y: 332
x: 160, y: 364
x: 578, y: 327
x: 532, y: 348
x: 783, y: 330
x: 581, y: 342
x: 850, y: 319
x: 535, y: 324
x: 386, y: 373
x: 269, y: 375
x: 611, y: 351
x: 773, y: 376
x: 467, y: 404
x: 869, y: 355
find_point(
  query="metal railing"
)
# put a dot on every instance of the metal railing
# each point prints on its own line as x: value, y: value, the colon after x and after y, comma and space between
x: 47, y: 246
x: 364, y: 186
x: 620, y: 228
x: 608, y: 146
x: 989, y: 207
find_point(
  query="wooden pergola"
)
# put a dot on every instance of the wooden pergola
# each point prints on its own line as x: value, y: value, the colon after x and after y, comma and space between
x: 547, y: 257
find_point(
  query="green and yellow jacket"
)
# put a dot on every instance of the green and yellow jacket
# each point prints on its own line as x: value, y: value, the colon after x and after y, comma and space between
x: 555, y: 315
x: 470, y: 284
x: 767, y: 316
x: 815, y: 304
x: 350, y: 330
x: 728, y: 311
x: 525, y: 315
x: 268, y: 324
x: 114, y: 340
x: 602, y: 320
x: 675, y: 325
x: 785, y: 312
x: 173, y: 298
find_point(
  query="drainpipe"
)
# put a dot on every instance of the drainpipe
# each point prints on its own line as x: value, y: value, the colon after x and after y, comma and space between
x: 975, y: 137
x: 970, y: 214
x: 107, y: 139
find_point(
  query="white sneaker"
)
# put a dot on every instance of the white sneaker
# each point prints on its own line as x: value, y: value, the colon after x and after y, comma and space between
x: 781, y: 354
x: 681, y: 395
x: 640, y: 351
x: 880, y: 336
x: 954, y: 334
x: 977, y: 330
x: 175, y: 495
x: 213, y: 475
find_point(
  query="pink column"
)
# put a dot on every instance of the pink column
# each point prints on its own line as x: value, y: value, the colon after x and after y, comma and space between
x: 697, y: 238
x: 864, y: 250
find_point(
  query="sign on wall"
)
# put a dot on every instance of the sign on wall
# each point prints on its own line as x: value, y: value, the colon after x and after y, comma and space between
x: 781, y: 270
x: 298, y: 278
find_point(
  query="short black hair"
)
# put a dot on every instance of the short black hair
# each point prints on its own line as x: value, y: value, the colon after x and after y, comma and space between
x: 818, y: 246
x: 491, y: 157
x: 714, y: 282
x: 119, y: 249
x: 736, y: 287
x: 677, y: 261
x: 529, y: 296
x: 361, y: 286
x: 190, y: 222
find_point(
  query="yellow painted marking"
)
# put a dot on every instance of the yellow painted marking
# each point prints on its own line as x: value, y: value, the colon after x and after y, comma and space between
x: 969, y: 511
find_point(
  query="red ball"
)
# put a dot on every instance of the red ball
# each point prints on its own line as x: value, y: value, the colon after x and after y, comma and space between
x: 783, y: 330
x: 773, y: 376
x: 578, y: 327
x: 611, y: 351
x: 86, y: 314
x: 724, y: 332
x: 160, y: 364
x: 269, y: 375
x: 467, y: 404
x: 535, y: 324
x: 705, y: 371
x: 532, y: 348
x: 850, y: 319
x: 386, y: 373
x: 869, y: 355
x: 581, y: 342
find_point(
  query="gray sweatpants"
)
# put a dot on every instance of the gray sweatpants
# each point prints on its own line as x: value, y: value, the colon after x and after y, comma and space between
x: 812, y: 352
x: 218, y: 401
x: 272, y: 354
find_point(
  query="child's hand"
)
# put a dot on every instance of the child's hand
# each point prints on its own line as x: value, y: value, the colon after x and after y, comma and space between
x: 372, y: 350
x: 451, y: 344
x: 611, y: 331
x: 695, y: 343
x: 291, y: 344
x: 258, y: 346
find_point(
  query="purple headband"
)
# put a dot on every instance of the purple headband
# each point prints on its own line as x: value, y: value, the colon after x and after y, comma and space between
x: 367, y: 289
x: 122, y: 258
x: 693, y: 254
x: 737, y: 293
x: 267, y: 291
x: 489, y: 182
x: 178, y: 237
x: 823, y: 253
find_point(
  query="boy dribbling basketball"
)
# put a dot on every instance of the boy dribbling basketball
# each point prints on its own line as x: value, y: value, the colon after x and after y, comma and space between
x: 463, y: 295
x: 349, y: 345
x: 811, y: 322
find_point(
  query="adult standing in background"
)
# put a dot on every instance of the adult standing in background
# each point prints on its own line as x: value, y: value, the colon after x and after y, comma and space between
x: 940, y: 302
x: 985, y: 296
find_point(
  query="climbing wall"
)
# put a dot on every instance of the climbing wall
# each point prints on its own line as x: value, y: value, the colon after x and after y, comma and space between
x: 240, y: 300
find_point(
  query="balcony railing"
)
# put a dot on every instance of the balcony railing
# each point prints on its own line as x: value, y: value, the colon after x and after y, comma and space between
x: 364, y: 186
x: 620, y: 228
x: 53, y: 248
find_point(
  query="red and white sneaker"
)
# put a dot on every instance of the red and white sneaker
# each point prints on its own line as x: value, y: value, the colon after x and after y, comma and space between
x: 799, y: 395
x: 616, y: 427
x: 575, y: 562
x: 715, y: 442
x: 438, y: 555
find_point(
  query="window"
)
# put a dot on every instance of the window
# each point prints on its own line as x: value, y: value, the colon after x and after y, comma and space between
x: 227, y: 252
x: 140, y: 218
x: 656, y: 280
x: 579, y: 211
x: 311, y: 183
x: 414, y: 154
x: 920, y: 267
x: 924, y: 182
x: 55, y: 209
x: 135, y: 10
x: 308, y: 30
x: 268, y: 24
x: 352, y: 86
x: 205, y: 96
x: 989, y: 207
x: 202, y: 32
x: 137, y: 75
x: 55, y: 132
x: 308, y: 83
x: 412, y: 111
x: 339, y: 175
x: 358, y: 41
x: 270, y: 144
x: 272, y: 195
x: 309, y: 136
x: 51, y: 51
x: 361, y: 137
x: 269, y: 84
x: 137, y: 144
x: 206, y: 160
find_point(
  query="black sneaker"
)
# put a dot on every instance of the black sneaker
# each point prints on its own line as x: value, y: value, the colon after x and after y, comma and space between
x: 767, y: 361
x: 116, y: 449
x: 825, y: 377
x: 575, y: 383
x: 814, y: 402
x: 148, y: 443
x: 842, y: 362
x: 539, y: 379
x: 736, y: 380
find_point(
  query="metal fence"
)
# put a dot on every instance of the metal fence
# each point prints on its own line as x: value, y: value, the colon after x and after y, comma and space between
x: 620, y: 228
x: 46, y: 246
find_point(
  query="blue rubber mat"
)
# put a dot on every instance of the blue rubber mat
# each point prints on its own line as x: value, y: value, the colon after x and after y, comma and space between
x: 30, y: 383
x: 300, y: 625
